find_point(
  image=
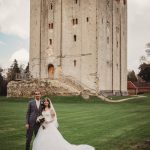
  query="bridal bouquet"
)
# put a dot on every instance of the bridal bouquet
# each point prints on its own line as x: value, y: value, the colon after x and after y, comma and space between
x: 41, y: 120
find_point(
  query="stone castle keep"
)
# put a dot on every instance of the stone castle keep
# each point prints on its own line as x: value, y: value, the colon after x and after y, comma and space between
x: 85, y: 40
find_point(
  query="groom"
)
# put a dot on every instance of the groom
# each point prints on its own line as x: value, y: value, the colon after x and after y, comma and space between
x: 34, y: 110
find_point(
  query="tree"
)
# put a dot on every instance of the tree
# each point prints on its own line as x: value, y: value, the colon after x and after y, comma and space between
x: 3, y: 84
x: 16, y: 67
x: 144, y: 72
x: 1, y: 70
x: 143, y: 59
x: 13, y: 71
x: 27, y: 71
x: 27, y: 68
x: 132, y: 76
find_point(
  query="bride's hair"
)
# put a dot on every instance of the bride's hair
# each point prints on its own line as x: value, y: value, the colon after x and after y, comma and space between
x: 49, y: 104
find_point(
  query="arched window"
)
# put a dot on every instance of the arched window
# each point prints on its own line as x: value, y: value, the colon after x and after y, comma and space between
x: 51, y: 71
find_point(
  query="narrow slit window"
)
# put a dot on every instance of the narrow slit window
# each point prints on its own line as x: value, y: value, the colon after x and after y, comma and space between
x: 124, y: 2
x: 50, y: 41
x: 75, y: 38
x: 76, y: 21
x: 52, y: 26
x: 73, y: 21
x: 87, y: 19
x: 76, y: 1
x: 51, y: 6
x: 75, y: 63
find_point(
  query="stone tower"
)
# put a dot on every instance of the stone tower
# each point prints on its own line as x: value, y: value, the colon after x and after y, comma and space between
x: 82, y: 39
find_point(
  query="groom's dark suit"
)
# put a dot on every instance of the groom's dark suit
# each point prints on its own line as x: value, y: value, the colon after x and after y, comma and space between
x: 32, y: 113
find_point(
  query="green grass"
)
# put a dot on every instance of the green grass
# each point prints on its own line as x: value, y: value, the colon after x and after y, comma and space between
x: 106, y: 126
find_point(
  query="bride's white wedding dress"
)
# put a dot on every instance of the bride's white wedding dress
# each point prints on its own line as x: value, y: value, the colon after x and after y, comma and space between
x: 51, y: 139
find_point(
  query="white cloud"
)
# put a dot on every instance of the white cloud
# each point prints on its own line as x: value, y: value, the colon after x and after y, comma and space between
x: 2, y: 43
x: 14, y: 17
x: 138, y: 31
x: 21, y: 55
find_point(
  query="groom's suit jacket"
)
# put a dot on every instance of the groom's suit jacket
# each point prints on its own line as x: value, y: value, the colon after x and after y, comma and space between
x: 33, y: 112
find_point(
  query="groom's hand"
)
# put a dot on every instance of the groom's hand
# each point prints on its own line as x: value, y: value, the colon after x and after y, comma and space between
x: 27, y: 126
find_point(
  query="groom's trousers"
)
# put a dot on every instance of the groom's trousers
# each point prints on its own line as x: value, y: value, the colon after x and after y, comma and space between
x: 29, y: 134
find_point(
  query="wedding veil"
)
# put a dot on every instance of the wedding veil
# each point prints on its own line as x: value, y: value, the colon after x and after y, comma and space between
x: 55, y: 119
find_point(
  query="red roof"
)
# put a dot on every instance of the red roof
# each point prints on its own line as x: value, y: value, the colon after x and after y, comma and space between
x: 131, y: 85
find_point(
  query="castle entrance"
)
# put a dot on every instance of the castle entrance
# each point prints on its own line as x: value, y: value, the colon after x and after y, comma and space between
x: 51, y: 71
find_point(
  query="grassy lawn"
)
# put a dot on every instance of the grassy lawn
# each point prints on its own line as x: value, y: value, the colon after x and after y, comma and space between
x: 106, y: 126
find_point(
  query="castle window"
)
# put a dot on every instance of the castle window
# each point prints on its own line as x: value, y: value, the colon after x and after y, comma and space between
x: 124, y: 1
x: 102, y: 20
x: 51, y: 6
x: 76, y: 1
x: 76, y: 21
x: 50, y: 41
x: 51, y: 71
x: 73, y: 21
x: 87, y: 19
x: 75, y: 38
x: 75, y: 63
x: 50, y: 25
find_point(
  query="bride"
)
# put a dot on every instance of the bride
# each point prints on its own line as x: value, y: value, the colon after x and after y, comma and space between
x: 48, y: 137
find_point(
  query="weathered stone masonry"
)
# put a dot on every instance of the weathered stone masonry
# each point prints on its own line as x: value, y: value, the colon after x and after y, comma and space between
x: 82, y: 39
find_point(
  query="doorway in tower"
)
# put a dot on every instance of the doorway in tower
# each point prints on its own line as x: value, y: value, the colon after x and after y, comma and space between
x: 51, y: 71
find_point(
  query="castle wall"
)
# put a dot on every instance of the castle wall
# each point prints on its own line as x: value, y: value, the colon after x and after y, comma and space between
x: 71, y: 50
x: 124, y: 46
x: 83, y: 39
x: 105, y: 37
x: 116, y: 47
x: 44, y: 38
x: 89, y: 43
x: 51, y: 37
x: 34, y: 60
x: 78, y: 53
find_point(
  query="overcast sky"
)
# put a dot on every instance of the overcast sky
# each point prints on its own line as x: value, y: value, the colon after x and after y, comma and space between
x: 14, y: 31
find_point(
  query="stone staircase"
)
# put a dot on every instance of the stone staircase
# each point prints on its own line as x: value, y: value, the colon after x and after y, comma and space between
x: 70, y: 81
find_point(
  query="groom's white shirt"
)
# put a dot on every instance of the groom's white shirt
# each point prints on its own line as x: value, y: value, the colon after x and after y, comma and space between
x: 37, y: 103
